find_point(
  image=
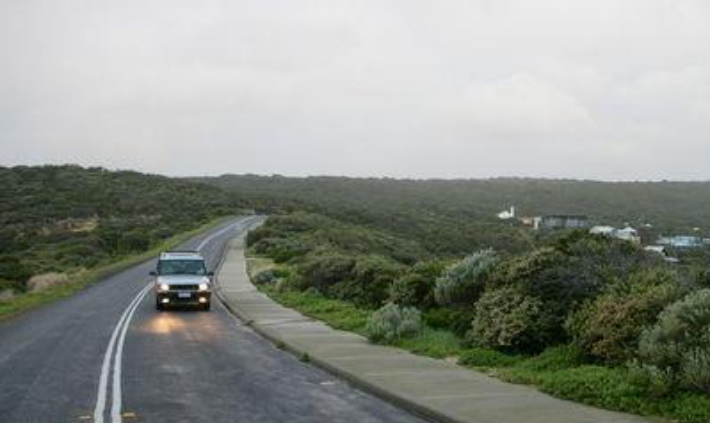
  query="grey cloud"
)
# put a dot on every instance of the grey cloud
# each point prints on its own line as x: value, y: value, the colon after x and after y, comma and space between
x: 574, y: 88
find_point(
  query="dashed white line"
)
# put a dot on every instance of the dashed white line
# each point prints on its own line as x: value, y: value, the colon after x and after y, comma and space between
x: 216, y: 234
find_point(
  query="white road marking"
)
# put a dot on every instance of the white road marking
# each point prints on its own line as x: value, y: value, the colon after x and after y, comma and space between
x: 216, y: 234
x: 116, y: 415
x: 105, y: 368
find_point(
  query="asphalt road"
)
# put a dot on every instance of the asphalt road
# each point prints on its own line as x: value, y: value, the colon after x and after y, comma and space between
x: 59, y: 364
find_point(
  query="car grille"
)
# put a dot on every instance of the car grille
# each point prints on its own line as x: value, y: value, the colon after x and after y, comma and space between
x: 184, y: 287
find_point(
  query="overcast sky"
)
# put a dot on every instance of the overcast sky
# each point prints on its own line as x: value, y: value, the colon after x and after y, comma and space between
x: 602, y: 89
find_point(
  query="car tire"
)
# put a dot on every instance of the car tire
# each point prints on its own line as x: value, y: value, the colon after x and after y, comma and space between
x: 159, y: 306
x: 206, y: 306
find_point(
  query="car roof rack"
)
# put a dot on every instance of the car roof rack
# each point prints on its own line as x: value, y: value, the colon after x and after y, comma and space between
x: 183, y: 254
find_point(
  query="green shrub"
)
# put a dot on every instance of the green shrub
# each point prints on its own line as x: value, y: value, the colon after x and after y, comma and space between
x: 570, y: 272
x: 702, y: 278
x: 416, y: 288
x: 463, y: 283
x: 323, y: 271
x: 656, y: 382
x: 438, y: 318
x: 11, y: 285
x: 456, y: 320
x: 11, y: 268
x: 555, y: 358
x: 546, y: 275
x: 369, y: 283
x: 608, y: 328
x: 282, y: 250
x: 679, y: 343
x: 265, y: 277
x: 392, y: 323
x: 507, y: 319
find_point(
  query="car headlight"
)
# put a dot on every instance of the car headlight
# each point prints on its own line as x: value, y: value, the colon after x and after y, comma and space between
x: 164, y: 287
x: 204, y: 287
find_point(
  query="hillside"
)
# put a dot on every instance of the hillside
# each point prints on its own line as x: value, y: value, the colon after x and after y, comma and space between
x: 56, y: 218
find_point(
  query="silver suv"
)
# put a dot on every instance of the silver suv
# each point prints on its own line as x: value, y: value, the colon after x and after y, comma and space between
x: 181, y: 278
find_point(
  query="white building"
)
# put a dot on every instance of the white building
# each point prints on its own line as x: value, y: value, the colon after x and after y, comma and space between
x: 681, y: 241
x: 627, y: 234
x: 661, y: 250
x: 603, y: 230
x: 507, y: 214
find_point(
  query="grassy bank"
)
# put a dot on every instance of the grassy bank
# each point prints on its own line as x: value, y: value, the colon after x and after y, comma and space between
x: 78, y: 280
x: 557, y: 371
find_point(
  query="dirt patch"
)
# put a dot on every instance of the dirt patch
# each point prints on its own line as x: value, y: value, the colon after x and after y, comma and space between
x: 46, y: 280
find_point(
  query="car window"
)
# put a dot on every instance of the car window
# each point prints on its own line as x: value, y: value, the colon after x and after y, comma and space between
x: 182, y: 267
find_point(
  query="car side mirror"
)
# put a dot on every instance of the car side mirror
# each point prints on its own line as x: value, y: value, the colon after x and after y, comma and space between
x: 210, y: 274
x: 153, y: 273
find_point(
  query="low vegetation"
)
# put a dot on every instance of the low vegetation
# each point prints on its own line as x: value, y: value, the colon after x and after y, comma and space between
x: 582, y: 317
x: 393, y: 322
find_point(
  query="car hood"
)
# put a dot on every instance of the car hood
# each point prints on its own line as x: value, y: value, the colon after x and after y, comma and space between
x: 182, y: 279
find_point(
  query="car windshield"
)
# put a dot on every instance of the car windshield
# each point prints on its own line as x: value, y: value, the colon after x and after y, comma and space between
x: 182, y: 267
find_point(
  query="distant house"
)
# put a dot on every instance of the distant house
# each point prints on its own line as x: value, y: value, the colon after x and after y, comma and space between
x: 507, y: 214
x: 561, y: 221
x: 527, y: 221
x: 603, y: 230
x: 627, y: 234
x: 681, y: 241
x: 661, y: 250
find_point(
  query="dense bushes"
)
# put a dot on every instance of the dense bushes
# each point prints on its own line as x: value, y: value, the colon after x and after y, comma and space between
x: 392, y: 323
x: 463, y: 282
x: 363, y: 280
x: 13, y: 272
x: 321, y: 272
x: 580, y: 299
x: 509, y: 320
x: 676, y: 351
x: 608, y: 327
x: 338, y: 260
x: 291, y: 237
x: 369, y: 282
x: 416, y: 287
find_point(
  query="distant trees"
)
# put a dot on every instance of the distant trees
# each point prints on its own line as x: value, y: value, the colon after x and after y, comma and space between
x: 457, y: 217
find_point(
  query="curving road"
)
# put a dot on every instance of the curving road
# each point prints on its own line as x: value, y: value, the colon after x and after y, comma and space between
x: 100, y: 356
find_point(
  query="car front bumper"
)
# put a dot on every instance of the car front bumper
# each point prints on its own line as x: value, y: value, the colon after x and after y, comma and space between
x: 183, y: 297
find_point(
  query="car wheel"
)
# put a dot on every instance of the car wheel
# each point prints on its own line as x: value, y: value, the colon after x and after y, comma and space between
x: 159, y: 306
x: 206, y: 306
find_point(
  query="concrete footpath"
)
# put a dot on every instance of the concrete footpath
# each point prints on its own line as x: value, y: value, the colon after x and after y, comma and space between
x: 435, y: 389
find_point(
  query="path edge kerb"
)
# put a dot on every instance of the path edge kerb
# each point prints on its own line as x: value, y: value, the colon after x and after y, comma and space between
x: 388, y: 395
